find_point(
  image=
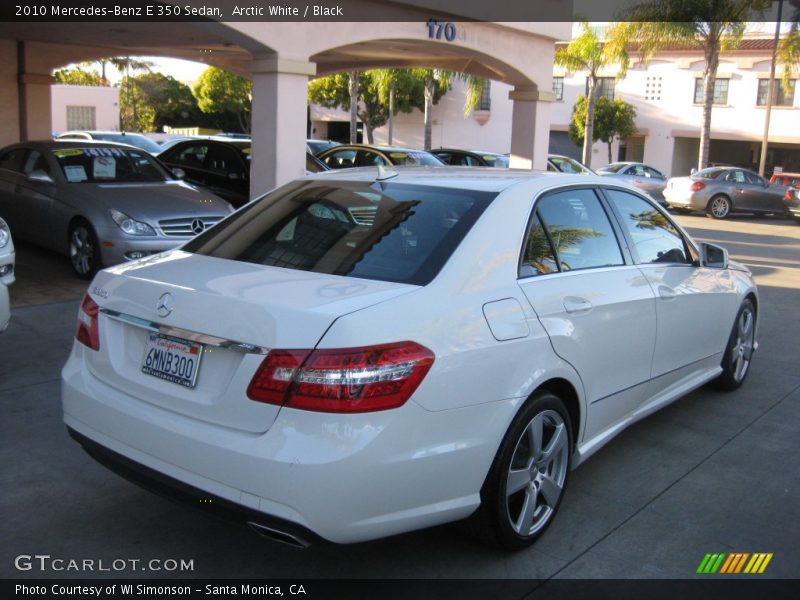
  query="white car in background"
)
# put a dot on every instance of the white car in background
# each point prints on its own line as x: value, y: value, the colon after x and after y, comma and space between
x: 454, y: 355
x: 6, y: 273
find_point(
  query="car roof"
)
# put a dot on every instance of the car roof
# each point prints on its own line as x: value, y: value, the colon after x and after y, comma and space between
x: 468, y: 178
x: 101, y: 132
x: 478, y: 152
x: 69, y: 143
x: 374, y: 147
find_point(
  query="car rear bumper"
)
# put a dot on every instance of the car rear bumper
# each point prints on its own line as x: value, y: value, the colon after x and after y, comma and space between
x: 344, y: 478
x: 687, y: 201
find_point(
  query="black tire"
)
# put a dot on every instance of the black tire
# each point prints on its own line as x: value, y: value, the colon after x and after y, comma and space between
x: 739, y: 350
x: 502, y: 518
x: 84, y: 250
x: 719, y: 207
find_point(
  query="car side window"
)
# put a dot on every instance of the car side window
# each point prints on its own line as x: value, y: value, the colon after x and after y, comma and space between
x: 754, y: 179
x: 223, y: 160
x: 579, y: 230
x: 655, y: 238
x: 367, y: 158
x: 445, y: 157
x: 538, y: 257
x: 637, y: 170
x: 191, y: 156
x: 12, y: 160
x: 650, y: 172
x: 341, y: 159
x: 35, y: 162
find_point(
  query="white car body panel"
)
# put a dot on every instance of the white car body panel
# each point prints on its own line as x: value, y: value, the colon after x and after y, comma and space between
x: 496, y: 339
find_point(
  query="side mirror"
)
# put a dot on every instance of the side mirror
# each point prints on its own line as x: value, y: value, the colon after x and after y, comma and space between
x: 40, y: 177
x: 179, y: 173
x: 713, y: 256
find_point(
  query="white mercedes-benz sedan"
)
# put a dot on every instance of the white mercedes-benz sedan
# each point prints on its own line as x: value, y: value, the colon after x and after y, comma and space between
x: 360, y: 353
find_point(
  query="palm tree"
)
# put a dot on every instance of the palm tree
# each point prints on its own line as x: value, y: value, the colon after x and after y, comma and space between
x: 714, y: 25
x: 587, y: 53
x: 789, y: 49
x: 353, y: 107
x: 126, y: 64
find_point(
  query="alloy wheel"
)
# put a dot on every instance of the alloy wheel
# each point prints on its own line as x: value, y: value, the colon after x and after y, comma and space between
x: 537, y: 473
x: 81, y: 250
x: 742, y: 350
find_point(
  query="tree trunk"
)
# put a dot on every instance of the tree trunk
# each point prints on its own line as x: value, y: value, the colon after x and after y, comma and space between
x: 609, y: 152
x: 391, y: 113
x: 429, y: 89
x: 588, y: 133
x: 709, y: 79
x: 368, y: 131
x: 353, y: 107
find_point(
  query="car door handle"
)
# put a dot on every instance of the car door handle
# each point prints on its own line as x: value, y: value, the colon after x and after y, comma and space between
x: 574, y: 304
x: 666, y: 293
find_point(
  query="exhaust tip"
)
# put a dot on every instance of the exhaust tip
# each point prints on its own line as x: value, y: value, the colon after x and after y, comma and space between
x: 276, y: 535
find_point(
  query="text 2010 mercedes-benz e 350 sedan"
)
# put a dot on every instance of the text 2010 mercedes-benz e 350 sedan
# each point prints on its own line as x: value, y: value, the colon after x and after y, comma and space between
x: 360, y: 354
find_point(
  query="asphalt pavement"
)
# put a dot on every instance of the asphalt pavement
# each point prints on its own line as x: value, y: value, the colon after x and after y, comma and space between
x: 713, y: 472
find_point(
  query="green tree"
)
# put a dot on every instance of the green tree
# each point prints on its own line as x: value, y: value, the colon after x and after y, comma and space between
x: 713, y: 25
x: 433, y: 80
x: 612, y: 119
x: 588, y: 53
x: 160, y: 100
x: 129, y: 106
x: 789, y: 50
x: 220, y: 91
x: 77, y: 76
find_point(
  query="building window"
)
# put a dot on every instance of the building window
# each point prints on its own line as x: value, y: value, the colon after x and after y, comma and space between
x: 720, y: 91
x: 486, y: 96
x: 605, y: 87
x: 558, y: 88
x: 652, y: 88
x: 80, y: 117
x: 779, y: 95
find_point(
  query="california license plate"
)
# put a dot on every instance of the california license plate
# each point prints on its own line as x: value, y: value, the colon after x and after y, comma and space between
x: 172, y: 359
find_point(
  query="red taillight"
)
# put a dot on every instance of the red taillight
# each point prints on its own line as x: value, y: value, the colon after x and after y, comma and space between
x: 344, y: 380
x: 788, y: 195
x: 88, y: 331
x: 697, y: 186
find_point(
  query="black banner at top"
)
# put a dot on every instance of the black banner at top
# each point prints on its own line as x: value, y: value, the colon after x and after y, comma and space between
x: 74, y: 11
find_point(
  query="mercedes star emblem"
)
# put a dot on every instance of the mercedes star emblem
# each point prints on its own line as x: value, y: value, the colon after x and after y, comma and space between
x: 165, y: 305
x: 198, y: 226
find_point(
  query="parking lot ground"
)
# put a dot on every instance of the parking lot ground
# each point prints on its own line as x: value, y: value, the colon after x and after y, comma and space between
x: 713, y: 472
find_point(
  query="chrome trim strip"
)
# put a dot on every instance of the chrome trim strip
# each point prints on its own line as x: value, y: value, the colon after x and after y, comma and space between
x: 202, y: 338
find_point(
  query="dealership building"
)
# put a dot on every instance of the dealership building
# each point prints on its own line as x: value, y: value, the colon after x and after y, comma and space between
x: 280, y: 57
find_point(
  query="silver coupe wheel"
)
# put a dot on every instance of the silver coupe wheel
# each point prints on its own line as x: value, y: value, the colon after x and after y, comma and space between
x: 719, y: 207
x: 537, y: 473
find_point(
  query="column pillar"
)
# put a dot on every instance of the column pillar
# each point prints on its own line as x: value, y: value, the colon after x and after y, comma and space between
x: 34, y: 100
x: 278, y: 121
x: 530, y: 128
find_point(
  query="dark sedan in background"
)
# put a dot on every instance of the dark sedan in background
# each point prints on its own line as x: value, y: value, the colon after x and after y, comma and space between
x: 99, y: 203
x: 470, y: 158
x: 220, y: 166
x: 361, y: 155
x: 720, y: 191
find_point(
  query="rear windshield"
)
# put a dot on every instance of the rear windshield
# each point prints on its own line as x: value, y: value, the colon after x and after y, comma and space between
x: 496, y: 160
x: 612, y: 168
x: 102, y: 164
x: 711, y: 173
x: 568, y: 165
x: 384, y: 231
x: 413, y: 157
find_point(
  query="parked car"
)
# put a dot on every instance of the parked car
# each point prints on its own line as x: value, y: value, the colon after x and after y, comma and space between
x: 470, y: 158
x: 645, y: 177
x: 720, y: 191
x: 99, y: 203
x: 120, y: 137
x: 314, y: 165
x: 453, y: 356
x: 6, y: 273
x: 786, y: 179
x: 792, y: 199
x: 565, y: 164
x: 220, y: 166
x: 316, y: 147
x: 358, y: 155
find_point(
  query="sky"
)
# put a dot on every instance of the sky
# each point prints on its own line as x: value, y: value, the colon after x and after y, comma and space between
x: 182, y: 70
